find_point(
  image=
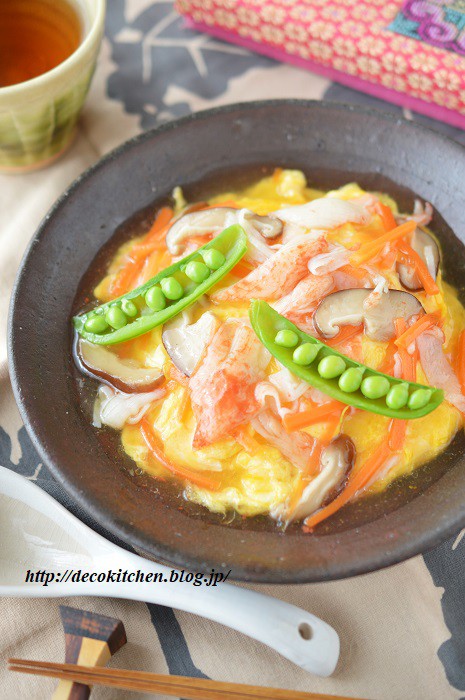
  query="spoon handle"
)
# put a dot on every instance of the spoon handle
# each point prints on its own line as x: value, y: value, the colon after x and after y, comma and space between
x: 301, y: 637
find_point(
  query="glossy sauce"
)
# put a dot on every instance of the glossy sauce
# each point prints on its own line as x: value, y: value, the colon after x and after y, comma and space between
x: 35, y: 36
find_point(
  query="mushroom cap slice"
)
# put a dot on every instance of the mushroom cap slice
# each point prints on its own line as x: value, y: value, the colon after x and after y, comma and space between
x: 337, y: 460
x: 216, y: 219
x: 268, y: 226
x: 186, y: 343
x: 428, y: 250
x: 125, y: 375
x: 198, y: 223
x: 347, y: 307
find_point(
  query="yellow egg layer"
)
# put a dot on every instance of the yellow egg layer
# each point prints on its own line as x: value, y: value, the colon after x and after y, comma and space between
x: 254, y: 476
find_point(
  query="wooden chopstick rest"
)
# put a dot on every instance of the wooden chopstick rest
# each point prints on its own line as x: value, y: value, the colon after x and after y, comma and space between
x: 90, y: 640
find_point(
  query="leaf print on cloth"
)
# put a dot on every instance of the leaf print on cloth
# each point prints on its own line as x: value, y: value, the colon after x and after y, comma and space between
x: 446, y: 565
x: 157, y: 56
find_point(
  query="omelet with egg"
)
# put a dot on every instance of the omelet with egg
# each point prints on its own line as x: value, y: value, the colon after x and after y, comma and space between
x: 238, y: 431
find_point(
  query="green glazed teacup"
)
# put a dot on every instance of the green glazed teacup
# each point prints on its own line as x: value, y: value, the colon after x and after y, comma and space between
x: 38, y: 116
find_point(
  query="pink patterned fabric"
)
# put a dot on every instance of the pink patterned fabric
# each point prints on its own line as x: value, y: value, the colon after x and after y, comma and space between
x: 346, y: 40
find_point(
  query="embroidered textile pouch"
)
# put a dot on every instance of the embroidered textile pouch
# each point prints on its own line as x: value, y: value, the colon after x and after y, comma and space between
x: 411, y: 53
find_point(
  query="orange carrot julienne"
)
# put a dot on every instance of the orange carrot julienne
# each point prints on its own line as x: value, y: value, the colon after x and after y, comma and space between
x: 332, y: 423
x: 367, y: 472
x: 276, y: 175
x: 400, y: 324
x: 387, y: 365
x: 410, y: 257
x: 152, y: 443
x: 200, y: 240
x: 136, y: 256
x: 420, y: 326
x: 344, y: 334
x: 315, y: 414
x: 461, y: 361
x: 388, y: 260
x: 371, y: 249
x: 397, y: 429
x: 386, y: 216
x: 156, y: 231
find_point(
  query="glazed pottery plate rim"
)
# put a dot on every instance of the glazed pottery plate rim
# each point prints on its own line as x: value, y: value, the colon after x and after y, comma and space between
x: 120, y: 527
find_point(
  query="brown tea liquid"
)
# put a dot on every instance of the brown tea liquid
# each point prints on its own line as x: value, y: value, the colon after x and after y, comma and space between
x: 35, y: 36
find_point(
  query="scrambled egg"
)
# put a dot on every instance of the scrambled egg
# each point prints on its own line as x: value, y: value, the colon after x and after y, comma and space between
x: 254, y: 477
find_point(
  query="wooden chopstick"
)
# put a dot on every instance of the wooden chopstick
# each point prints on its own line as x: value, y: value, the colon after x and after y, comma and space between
x: 189, y: 688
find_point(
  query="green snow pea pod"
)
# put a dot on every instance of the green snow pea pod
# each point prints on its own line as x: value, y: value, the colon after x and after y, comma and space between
x: 339, y: 376
x: 164, y: 296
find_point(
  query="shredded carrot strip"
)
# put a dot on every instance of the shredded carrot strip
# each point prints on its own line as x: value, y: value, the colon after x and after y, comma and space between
x: 344, y: 334
x: 387, y: 365
x: 122, y: 281
x: 227, y: 203
x: 127, y: 274
x: 420, y: 326
x: 408, y: 361
x: 152, y: 443
x: 461, y: 361
x: 152, y: 265
x: 400, y: 324
x: 156, y: 231
x: 276, y: 175
x: 410, y: 257
x: 386, y: 216
x: 388, y: 260
x: 367, y: 472
x: 200, y: 240
x: 409, y: 364
x: 397, y: 429
x: 315, y: 414
x: 371, y: 249
x: 332, y: 424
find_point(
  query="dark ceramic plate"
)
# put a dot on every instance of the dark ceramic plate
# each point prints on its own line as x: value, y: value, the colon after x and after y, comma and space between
x: 333, y: 144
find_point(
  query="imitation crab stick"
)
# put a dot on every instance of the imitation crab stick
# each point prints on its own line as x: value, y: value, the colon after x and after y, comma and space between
x: 410, y: 257
x: 155, y: 448
x: 371, y: 249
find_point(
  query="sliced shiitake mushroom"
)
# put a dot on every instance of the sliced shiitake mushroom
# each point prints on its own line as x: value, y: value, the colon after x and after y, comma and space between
x: 267, y: 226
x: 336, y: 461
x: 125, y: 375
x: 197, y: 223
x: 428, y: 250
x: 186, y: 342
x: 346, y: 307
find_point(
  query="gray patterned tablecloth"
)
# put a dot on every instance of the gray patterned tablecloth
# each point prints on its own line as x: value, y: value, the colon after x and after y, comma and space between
x: 403, y: 629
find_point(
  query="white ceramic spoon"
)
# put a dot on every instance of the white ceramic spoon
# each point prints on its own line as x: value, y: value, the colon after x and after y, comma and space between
x: 37, y: 533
